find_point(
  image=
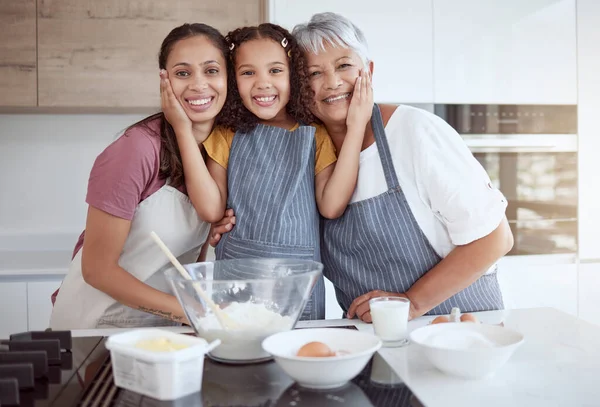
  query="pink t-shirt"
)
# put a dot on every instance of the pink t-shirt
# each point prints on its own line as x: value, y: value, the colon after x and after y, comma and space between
x: 126, y: 173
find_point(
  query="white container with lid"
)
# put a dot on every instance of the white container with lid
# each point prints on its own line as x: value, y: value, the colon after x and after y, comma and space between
x: 163, y: 375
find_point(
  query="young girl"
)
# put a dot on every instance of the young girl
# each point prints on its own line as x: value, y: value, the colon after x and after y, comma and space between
x: 137, y: 186
x: 268, y: 164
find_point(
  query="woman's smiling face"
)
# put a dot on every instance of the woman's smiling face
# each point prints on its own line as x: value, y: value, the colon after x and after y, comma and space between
x: 332, y: 75
x: 198, y: 76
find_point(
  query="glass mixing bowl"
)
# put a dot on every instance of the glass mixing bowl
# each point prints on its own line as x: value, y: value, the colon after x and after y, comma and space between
x: 256, y: 298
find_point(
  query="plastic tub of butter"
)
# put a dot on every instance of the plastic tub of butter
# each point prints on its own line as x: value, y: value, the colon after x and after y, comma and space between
x: 158, y: 363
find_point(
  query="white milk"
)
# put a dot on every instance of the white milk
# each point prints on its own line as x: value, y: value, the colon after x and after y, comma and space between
x: 390, y: 319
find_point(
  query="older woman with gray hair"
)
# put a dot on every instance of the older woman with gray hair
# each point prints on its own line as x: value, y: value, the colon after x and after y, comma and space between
x: 424, y: 222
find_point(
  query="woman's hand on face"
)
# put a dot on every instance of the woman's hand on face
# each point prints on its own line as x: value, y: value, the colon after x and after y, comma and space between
x: 361, y: 309
x: 219, y: 228
x: 361, y: 105
x: 171, y: 107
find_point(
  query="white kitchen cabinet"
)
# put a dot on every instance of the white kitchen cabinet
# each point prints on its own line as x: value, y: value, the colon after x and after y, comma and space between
x: 39, y: 305
x: 527, y: 285
x: 13, y: 308
x: 505, y: 51
x: 588, y: 23
x: 589, y: 292
x: 399, y: 35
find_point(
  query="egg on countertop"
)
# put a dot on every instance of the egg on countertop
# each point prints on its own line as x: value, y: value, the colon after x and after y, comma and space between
x: 441, y: 319
x: 468, y: 318
x: 463, y: 318
x: 315, y: 350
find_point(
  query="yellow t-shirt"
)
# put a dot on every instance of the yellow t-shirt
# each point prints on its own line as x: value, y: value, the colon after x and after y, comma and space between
x: 218, y: 145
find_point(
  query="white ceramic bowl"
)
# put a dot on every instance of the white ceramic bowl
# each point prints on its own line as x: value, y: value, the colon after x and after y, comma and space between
x: 468, y: 350
x: 322, y: 372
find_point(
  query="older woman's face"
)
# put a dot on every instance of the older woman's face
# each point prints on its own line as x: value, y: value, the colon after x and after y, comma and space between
x: 332, y: 74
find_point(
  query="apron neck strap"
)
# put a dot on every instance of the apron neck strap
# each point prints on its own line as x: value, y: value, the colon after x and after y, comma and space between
x: 384, y: 149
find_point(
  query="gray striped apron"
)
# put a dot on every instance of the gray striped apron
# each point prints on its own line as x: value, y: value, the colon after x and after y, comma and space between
x: 271, y: 183
x: 378, y: 245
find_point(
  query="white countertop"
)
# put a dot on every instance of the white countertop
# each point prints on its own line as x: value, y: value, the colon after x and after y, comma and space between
x: 78, y: 333
x: 558, y: 365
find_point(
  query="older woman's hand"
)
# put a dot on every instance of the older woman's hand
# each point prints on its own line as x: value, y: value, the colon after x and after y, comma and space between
x: 361, y: 105
x: 171, y: 107
x: 223, y: 226
x: 360, y: 306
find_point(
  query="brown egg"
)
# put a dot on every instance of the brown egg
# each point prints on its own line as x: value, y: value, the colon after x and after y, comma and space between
x: 315, y: 350
x: 441, y: 319
x: 468, y: 318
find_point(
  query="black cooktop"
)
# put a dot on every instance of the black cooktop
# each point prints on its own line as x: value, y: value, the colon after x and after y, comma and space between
x: 82, y: 376
x: 43, y: 368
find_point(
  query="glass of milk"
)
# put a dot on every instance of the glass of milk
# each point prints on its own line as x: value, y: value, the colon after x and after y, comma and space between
x: 390, y: 320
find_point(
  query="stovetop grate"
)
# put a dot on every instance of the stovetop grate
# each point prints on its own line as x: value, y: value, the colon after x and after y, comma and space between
x: 102, y: 391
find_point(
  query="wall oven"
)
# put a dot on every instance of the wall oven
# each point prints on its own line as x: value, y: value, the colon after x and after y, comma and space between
x: 530, y: 154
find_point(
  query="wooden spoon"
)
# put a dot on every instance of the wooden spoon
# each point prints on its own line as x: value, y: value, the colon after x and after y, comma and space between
x: 224, y: 319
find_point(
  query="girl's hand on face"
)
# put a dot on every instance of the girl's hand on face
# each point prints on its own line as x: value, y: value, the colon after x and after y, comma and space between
x: 361, y: 105
x: 171, y: 107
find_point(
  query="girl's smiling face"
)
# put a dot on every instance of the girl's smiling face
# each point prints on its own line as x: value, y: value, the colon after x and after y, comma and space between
x: 263, y: 78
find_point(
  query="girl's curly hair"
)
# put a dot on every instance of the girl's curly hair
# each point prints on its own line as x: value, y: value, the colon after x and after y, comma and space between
x: 235, y: 115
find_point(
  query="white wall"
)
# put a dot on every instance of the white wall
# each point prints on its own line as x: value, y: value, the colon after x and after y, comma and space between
x: 45, y: 162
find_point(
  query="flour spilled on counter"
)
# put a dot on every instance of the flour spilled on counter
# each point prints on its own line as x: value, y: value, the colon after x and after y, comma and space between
x: 253, y: 323
x: 460, y: 340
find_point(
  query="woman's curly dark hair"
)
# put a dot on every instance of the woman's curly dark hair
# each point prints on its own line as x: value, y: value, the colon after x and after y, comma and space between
x: 235, y: 115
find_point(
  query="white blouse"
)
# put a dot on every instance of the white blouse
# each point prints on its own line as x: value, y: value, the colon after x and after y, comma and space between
x: 448, y: 191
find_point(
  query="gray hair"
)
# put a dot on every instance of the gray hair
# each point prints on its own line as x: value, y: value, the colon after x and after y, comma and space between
x: 334, y: 29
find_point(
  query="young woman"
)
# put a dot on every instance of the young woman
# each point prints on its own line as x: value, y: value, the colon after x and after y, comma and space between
x: 136, y: 186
